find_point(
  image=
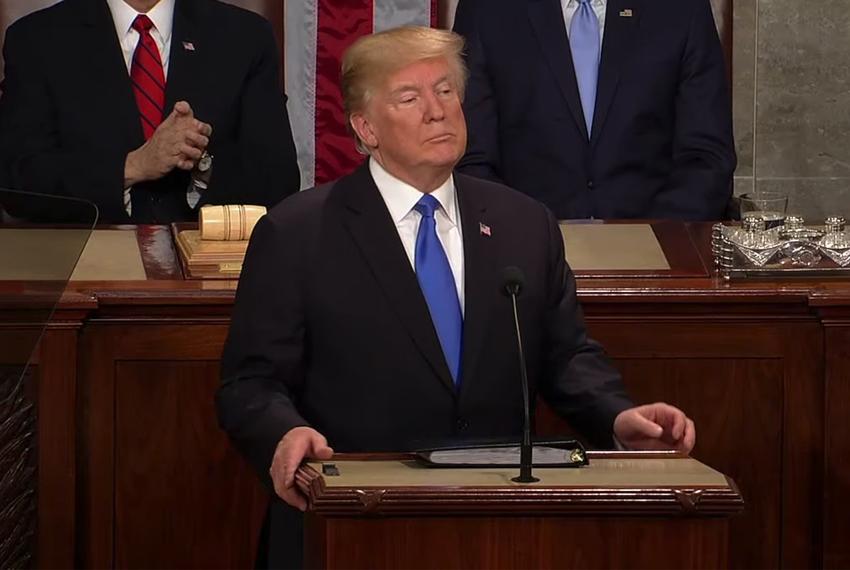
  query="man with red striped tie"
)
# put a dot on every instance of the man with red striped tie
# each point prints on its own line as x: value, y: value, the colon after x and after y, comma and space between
x: 145, y: 99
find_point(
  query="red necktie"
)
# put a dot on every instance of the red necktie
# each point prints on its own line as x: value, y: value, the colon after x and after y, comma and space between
x: 148, y: 77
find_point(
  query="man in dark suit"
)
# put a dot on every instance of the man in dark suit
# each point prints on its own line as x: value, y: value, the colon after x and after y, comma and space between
x: 137, y: 105
x: 370, y: 313
x: 600, y: 108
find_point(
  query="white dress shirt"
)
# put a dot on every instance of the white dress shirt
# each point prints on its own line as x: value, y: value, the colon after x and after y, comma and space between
x: 569, y: 8
x: 400, y: 199
x: 162, y: 16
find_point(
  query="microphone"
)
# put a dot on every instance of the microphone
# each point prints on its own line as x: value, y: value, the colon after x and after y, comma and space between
x: 513, y: 281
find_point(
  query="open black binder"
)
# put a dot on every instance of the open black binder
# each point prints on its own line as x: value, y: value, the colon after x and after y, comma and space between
x: 545, y: 453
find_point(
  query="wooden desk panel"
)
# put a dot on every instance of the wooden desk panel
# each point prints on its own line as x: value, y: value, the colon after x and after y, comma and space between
x: 735, y: 381
x: 522, y: 542
x: 835, y: 314
x: 164, y: 486
x: 183, y: 499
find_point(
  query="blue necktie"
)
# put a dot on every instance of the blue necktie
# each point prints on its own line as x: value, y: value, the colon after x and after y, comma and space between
x: 438, y: 284
x: 584, y: 45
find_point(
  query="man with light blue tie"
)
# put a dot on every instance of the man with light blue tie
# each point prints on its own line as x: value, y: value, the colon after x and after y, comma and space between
x: 371, y: 312
x: 600, y: 108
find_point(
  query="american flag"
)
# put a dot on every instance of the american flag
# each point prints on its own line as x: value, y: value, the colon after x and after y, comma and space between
x: 317, y: 32
x: 484, y: 229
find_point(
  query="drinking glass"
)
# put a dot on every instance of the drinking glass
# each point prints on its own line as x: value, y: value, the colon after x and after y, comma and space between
x: 768, y: 205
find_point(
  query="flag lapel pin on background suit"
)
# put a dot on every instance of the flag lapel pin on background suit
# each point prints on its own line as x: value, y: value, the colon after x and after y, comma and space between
x: 627, y: 13
x: 484, y: 229
x: 188, y: 46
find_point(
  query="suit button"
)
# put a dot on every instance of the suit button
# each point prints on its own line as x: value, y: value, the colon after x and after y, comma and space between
x: 590, y: 184
x: 462, y: 424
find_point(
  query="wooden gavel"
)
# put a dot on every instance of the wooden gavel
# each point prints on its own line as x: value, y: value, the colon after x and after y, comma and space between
x: 229, y: 223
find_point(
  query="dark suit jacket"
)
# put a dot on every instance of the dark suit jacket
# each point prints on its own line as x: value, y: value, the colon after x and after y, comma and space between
x: 330, y: 329
x: 661, y: 144
x: 68, y: 117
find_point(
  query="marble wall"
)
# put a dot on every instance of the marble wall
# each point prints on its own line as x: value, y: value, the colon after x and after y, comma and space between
x: 791, y: 93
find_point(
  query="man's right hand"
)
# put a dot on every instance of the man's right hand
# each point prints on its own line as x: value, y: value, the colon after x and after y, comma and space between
x: 298, y: 444
x: 178, y: 142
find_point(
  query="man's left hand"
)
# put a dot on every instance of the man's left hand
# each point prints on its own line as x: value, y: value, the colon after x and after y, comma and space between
x: 655, y: 426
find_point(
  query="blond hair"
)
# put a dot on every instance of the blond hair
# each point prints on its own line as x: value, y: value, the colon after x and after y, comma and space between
x: 369, y: 61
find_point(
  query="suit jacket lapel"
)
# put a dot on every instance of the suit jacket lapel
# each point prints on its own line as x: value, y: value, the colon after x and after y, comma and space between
x: 480, y: 275
x: 106, y: 66
x: 616, y: 47
x: 547, y: 20
x: 374, y: 232
x: 187, y: 48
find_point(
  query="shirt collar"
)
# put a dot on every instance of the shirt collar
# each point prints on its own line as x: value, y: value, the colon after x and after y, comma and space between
x: 162, y: 16
x: 401, y: 197
x: 568, y: 3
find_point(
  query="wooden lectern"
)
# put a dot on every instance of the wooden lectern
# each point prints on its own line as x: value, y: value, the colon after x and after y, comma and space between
x: 624, y: 510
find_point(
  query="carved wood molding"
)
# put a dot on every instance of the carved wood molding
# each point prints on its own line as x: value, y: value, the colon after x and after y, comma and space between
x: 17, y: 473
x: 511, y: 500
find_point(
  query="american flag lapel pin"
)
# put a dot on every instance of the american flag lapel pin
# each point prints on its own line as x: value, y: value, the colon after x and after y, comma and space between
x: 484, y: 229
x: 188, y: 46
x: 627, y: 13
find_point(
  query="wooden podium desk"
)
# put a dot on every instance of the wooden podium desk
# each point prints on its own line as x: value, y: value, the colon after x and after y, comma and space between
x: 623, y: 510
x: 133, y: 471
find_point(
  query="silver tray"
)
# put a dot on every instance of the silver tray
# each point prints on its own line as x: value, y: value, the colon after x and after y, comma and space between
x: 771, y: 254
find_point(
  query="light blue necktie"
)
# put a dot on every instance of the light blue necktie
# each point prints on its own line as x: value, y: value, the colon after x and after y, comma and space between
x: 438, y: 284
x: 584, y: 45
